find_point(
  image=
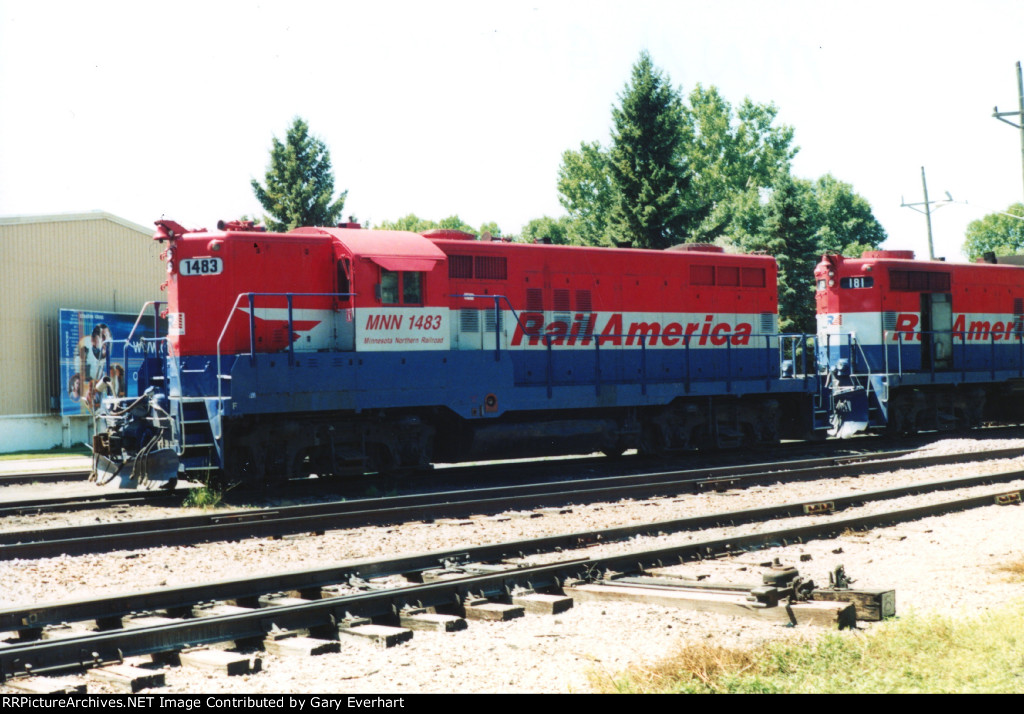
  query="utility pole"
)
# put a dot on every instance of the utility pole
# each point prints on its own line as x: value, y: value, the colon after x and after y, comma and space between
x: 927, y: 211
x: 1019, y: 114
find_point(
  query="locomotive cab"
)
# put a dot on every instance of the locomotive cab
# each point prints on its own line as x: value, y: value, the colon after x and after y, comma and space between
x: 932, y: 345
x: 884, y: 306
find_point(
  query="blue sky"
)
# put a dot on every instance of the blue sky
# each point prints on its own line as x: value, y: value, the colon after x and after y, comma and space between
x: 436, y: 108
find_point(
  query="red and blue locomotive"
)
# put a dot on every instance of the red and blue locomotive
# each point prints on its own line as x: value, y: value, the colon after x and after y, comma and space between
x: 344, y: 350
x: 338, y: 350
x: 917, y: 345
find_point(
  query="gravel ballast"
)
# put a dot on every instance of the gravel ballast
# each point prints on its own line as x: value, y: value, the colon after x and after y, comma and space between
x: 948, y: 564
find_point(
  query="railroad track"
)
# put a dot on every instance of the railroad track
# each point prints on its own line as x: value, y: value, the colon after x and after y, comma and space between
x: 495, y: 475
x: 468, y: 576
x: 462, y: 475
x: 10, y: 479
x: 68, y: 504
x: 356, y: 488
x: 277, y: 522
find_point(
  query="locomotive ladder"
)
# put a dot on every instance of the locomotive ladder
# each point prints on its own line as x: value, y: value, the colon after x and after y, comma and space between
x: 875, y: 414
x: 196, y: 447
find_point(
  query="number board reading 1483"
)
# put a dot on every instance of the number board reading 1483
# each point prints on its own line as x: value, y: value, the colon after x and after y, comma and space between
x: 201, y: 266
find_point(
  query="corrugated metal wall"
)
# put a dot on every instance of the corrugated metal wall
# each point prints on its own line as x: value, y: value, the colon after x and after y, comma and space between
x: 85, y: 262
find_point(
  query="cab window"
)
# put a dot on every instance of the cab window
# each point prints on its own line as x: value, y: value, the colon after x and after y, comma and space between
x: 389, y: 281
x: 401, y: 287
x: 412, y: 288
x: 344, y: 284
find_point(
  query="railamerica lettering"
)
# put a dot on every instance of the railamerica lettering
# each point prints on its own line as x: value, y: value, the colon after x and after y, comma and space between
x: 579, y: 330
x: 1009, y: 328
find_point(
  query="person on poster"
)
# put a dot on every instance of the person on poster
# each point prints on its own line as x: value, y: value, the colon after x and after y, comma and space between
x: 96, y: 355
x: 75, y: 386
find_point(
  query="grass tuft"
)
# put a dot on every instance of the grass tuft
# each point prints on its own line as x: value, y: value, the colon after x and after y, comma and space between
x: 915, y: 654
x: 697, y: 667
x: 1014, y: 570
x: 203, y: 497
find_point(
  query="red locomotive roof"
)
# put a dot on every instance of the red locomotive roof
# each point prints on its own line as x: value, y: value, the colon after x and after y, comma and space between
x: 892, y: 281
x: 391, y: 250
x: 629, y: 279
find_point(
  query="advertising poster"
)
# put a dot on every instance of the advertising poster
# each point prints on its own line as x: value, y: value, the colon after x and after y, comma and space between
x: 86, y: 339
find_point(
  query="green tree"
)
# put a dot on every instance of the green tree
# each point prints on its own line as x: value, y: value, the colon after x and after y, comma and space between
x: 587, y: 192
x: 996, y: 233
x: 455, y: 223
x: 547, y: 229
x: 797, y: 221
x: 410, y: 222
x: 415, y: 224
x: 845, y: 222
x: 299, y: 187
x: 719, y: 155
x: 490, y: 229
x: 788, y: 233
x: 646, y: 162
x: 730, y: 154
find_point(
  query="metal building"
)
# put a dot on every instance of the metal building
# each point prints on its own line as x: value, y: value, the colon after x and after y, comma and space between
x: 83, y: 261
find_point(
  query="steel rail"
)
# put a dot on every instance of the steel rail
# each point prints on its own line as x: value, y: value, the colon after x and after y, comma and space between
x: 457, y: 474
x: 233, y: 525
x: 101, y: 499
x: 162, y: 598
x: 42, y: 477
x: 494, y: 471
x: 67, y: 504
x: 46, y: 656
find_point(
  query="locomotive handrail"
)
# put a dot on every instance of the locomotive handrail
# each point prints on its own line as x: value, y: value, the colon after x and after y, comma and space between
x: 860, y: 348
x: 961, y: 340
x: 548, y: 340
x: 251, y: 296
x: 124, y: 351
x: 497, y: 316
x: 156, y: 317
x: 156, y: 324
x: 127, y: 340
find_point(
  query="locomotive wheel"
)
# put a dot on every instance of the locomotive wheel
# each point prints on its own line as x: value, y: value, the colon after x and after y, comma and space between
x: 653, y: 441
x: 245, y: 469
x: 381, y: 459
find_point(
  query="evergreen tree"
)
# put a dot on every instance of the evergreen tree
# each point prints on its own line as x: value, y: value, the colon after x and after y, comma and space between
x: 646, y: 162
x: 675, y: 166
x: 798, y: 221
x: 786, y: 229
x: 300, y: 183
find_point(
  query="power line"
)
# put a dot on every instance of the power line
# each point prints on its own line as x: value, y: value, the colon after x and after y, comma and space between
x: 1001, y: 116
x: 927, y: 210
